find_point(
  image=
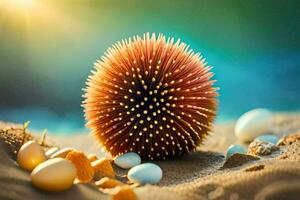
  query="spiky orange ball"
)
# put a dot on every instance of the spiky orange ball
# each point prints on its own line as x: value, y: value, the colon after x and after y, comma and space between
x: 152, y: 96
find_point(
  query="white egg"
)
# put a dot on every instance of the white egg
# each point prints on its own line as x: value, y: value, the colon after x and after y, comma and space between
x: 61, y: 153
x: 128, y: 160
x: 30, y: 155
x: 145, y: 173
x: 51, y: 151
x: 54, y: 175
x: 252, y: 124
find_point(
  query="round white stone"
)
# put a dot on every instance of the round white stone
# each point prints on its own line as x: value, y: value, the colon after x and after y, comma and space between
x: 252, y: 124
x: 54, y: 175
x: 30, y: 155
x: 128, y: 160
x: 235, y: 148
x: 146, y: 173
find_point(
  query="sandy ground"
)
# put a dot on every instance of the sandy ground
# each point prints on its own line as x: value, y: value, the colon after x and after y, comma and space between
x: 196, y: 176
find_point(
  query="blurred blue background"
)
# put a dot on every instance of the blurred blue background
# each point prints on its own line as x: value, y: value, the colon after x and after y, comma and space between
x: 47, y: 49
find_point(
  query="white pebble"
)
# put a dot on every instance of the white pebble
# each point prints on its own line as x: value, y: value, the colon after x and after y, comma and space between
x: 128, y: 160
x: 235, y: 148
x: 51, y: 151
x: 145, y: 173
x: 252, y: 124
x: 62, y: 153
x: 54, y: 175
x: 268, y: 138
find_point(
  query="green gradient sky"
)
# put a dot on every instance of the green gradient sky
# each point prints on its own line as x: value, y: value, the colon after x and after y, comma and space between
x: 253, y: 45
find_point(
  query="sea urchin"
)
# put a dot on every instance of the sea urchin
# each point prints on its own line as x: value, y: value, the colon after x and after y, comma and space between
x: 152, y: 96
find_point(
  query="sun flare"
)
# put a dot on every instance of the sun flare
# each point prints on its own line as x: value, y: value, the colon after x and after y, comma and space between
x: 20, y: 4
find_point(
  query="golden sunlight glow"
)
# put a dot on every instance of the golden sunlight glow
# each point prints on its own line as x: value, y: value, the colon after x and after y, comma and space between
x: 39, y: 21
x: 20, y: 3
x: 35, y: 13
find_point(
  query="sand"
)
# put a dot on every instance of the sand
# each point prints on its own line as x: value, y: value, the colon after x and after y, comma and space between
x: 198, y: 175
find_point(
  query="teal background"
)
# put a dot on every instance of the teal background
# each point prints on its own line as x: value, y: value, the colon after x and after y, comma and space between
x: 47, y: 52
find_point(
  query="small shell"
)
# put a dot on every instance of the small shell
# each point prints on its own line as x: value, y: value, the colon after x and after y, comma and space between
x: 51, y: 151
x: 106, y: 183
x: 92, y: 157
x: 62, y: 153
x: 123, y: 193
x: 85, y: 171
x: 260, y: 148
x: 103, y: 168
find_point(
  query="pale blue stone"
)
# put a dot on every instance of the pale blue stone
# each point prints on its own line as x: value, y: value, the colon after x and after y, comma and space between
x: 268, y: 138
x: 235, y: 148
x: 128, y: 160
x: 145, y: 173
